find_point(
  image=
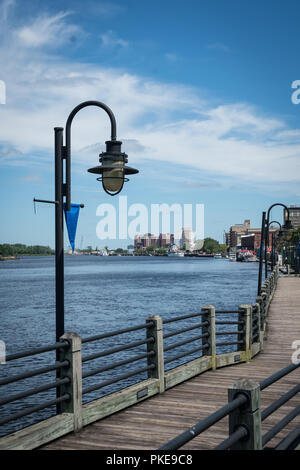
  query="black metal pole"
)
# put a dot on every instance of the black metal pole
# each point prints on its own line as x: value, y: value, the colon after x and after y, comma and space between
x: 266, y: 247
x: 262, y: 236
x: 59, y: 233
x: 273, y: 251
x: 59, y: 247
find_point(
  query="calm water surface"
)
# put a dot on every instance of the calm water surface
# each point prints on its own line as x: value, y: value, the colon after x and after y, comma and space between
x: 104, y: 294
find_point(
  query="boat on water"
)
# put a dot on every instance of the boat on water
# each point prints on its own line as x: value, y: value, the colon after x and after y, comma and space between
x: 232, y: 257
x: 174, y: 252
x: 247, y: 256
x: 218, y: 256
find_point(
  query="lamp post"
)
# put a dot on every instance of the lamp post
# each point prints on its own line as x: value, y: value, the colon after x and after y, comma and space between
x: 273, y: 242
x: 112, y: 169
x: 261, y: 251
x: 287, y: 225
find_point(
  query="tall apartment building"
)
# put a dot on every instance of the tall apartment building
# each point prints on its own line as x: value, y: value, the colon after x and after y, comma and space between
x: 294, y: 211
x: 187, y: 239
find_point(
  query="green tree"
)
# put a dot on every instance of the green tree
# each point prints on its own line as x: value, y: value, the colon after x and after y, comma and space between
x: 211, y: 246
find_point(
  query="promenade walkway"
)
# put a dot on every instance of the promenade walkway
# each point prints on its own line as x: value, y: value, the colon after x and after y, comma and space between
x: 155, y: 421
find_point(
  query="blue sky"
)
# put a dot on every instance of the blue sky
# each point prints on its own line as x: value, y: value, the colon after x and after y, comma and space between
x: 201, y: 92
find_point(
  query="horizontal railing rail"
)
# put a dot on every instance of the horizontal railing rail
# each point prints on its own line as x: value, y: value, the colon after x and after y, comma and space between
x: 210, y: 339
x: 245, y: 417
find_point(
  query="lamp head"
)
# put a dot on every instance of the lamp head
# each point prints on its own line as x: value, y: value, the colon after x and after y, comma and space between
x: 287, y: 225
x: 113, y: 168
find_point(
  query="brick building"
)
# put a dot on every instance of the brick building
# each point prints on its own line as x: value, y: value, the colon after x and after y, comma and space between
x: 243, y: 234
x: 148, y: 239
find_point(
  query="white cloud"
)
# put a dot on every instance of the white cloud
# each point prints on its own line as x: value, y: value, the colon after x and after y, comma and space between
x: 47, y: 30
x: 158, y: 121
x: 110, y: 39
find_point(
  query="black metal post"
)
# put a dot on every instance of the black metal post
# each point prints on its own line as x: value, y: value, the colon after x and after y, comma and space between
x: 262, y: 236
x: 273, y: 251
x: 266, y: 247
x: 59, y: 247
x: 59, y: 233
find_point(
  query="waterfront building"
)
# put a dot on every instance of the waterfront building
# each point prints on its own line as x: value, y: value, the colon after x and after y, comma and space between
x: 294, y: 211
x: 187, y: 239
x: 148, y: 239
x: 242, y: 235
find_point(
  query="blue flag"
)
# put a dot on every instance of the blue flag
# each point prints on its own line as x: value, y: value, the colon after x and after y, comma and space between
x: 71, y: 221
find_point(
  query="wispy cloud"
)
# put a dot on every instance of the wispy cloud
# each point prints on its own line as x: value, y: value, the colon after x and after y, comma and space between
x: 171, y: 57
x: 110, y: 39
x: 105, y: 9
x: 5, y: 8
x: 218, y: 46
x: 47, y: 31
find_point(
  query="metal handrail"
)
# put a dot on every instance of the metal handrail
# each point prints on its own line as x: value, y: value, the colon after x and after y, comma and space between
x: 117, y: 349
x: 117, y: 364
x: 183, y: 330
x: 26, y: 375
x: 32, y: 352
x: 117, y: 379
x: 183, y: 317
x: 206, y: 423
x: 187, y: 353
x: 118, y: 332
x: 34, y: 409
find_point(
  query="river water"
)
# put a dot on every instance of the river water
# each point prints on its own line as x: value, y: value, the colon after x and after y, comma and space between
x: 103, y: 294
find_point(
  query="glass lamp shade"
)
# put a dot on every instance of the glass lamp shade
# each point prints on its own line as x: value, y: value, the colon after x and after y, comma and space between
x: 113, y: 178
x: 112, y: 168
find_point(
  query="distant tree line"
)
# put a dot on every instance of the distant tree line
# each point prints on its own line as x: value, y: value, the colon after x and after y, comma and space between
x: 18, y: 249
x: 212, y: 246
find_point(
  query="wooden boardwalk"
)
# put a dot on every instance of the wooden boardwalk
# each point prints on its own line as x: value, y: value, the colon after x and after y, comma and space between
x: 155, y: 421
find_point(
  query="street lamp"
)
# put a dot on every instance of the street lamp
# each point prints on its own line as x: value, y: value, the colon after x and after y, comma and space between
x: 273, y: 242
x: 112, y: 169
x: 287, y: 225
x: 261, y: 251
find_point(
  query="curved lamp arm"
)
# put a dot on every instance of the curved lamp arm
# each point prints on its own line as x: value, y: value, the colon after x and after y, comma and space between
x: 277, y: 204
x: 275, y: 222
x: 268, y: 216
x: 99, y: 104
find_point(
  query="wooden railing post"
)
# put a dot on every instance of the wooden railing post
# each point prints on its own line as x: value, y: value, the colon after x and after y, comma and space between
x: 247, y: 416
x: 156, y: 331
x: 259, y: 301
x: 245, y: 314
x: 74, y: 372
x: 210, y: 329
x: 256, y: 316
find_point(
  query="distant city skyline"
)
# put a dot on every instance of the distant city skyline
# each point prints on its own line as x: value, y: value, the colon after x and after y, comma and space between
x: 206, y: 110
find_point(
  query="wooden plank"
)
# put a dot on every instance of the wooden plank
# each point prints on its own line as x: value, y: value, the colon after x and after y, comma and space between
x: 117, y: 401
x: 39, y: 433
x: 186, y: 371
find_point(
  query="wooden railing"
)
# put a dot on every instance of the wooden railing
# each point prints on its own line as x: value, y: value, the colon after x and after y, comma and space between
x: 247, y: 325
